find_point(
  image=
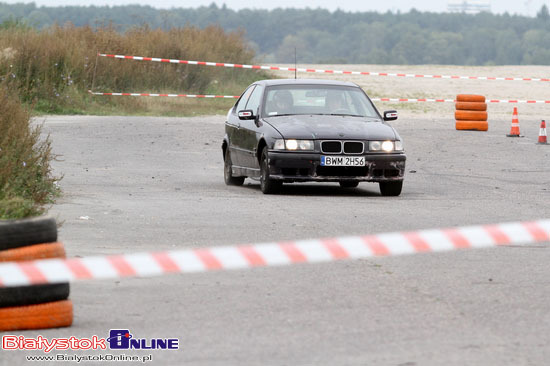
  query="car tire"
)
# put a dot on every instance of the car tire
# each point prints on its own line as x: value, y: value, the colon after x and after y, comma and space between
x: 391, y: 188
x: 267, y: 185
x: 33, y: 252
x: 31, y: 295
x: 54, y: 314
x: 348, y: 184
x: 472, y: 125
x: 470, y: 98
x: 20, y: 233
x: 471, y: 106
x: 471, y: 116
x: 228, y: 177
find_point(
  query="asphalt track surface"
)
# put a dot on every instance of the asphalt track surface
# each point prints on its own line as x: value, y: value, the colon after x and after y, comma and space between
x: 145, y: 184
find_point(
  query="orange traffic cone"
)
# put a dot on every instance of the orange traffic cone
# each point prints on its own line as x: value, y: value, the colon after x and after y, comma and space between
x: 514, y: 130
x: 542, y: 134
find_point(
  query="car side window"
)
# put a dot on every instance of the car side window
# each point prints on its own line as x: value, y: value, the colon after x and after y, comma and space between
x: 255, y: 99
x: 244, y: 99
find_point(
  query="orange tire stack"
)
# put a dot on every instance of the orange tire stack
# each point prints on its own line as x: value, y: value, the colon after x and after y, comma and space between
x: 36, y: 306
x: 471, y: 112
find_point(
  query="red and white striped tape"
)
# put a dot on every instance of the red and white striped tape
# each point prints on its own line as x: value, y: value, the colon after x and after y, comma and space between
x: 392, y: 100
x: 167, y: 95
x: 515, y: 101
x: 272, y: 254
x: 319, y: 71
x: 412, y: 100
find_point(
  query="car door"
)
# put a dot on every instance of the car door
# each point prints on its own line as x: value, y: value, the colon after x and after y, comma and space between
x: 233, y: 126
x: 249, y: 133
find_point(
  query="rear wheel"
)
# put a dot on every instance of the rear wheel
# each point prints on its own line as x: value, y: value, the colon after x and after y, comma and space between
x: 348, y: 184
x: 268, y: 185
x: 228, y: 177
x: 391, y: 188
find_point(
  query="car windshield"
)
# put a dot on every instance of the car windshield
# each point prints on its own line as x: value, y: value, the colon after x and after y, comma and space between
x: 284, y: 100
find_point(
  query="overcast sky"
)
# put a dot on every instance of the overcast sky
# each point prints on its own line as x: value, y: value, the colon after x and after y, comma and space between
x: 525, y: 7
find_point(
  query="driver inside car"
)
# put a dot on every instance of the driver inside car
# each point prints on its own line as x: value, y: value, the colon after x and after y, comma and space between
x: 282, y: 102
x: 334, y: 103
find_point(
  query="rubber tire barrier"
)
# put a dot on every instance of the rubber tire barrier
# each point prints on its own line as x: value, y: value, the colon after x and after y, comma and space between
x: 471, y: 116
x: 32, y: 252
x: 42, y: 316
x: 471, y: 106
x: 470, y: 98
x: 20, y: 233
x: 31, y: 295
x: 472, y: 125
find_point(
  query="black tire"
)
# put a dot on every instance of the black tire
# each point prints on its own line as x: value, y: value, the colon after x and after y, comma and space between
x: 31, y: 295
x: 20, y: 233
x: 228, y: 177
x: 391, y: 188
x: 348, y: 184
x: 267, y: 185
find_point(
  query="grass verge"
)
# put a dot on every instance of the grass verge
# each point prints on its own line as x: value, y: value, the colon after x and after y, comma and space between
x: 50, y: 71
x: 27, y: 184
x: 53, y: 69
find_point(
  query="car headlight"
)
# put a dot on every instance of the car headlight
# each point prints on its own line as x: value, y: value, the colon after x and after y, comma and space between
x: 375, y: 145
x: 387, y: 146
x: 293, y: 145
x: 279, y: 145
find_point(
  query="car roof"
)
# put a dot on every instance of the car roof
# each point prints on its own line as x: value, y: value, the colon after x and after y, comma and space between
x: 270, y: 82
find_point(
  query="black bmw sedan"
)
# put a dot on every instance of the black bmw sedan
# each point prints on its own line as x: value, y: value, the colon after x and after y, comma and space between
x: 299, y: 130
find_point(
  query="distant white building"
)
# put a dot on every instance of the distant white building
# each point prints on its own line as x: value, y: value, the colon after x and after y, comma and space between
x: 469, y: 7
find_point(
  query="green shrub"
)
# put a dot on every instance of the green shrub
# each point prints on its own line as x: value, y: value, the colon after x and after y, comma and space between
x: 26, y: 180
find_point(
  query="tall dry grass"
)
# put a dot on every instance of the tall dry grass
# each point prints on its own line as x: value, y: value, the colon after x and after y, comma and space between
x: 54, y: 67
x: 52, y: 70
x: 26, y: 179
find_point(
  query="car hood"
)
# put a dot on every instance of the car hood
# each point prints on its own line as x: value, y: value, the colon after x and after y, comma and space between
x: 320, y: 127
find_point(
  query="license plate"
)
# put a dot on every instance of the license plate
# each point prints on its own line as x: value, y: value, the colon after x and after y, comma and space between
x: 342, y: 160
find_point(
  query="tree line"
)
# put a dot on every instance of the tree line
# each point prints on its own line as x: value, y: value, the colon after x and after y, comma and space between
x: 322, y: 36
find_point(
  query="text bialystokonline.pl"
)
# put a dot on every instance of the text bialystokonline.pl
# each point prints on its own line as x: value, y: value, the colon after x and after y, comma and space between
x: 90, y: 358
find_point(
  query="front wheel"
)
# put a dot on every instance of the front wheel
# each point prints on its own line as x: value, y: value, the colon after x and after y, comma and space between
x: 391, y: 188
x: 228, y: 177
x: 267, y: 185
x: 348, y: 184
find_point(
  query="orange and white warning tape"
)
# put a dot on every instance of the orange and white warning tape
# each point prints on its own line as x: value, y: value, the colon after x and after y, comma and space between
x: 515, y: 101
x: 272, y: 254
x: 278, y: 68
x: 392, y: 100
x: 412, y: 100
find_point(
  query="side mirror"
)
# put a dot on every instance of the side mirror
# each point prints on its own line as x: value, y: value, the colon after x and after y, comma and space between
x: 390, y: 115
x: 246, y: 114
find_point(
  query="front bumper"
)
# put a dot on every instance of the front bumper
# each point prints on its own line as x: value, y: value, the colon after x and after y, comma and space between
x: 305, y: 167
